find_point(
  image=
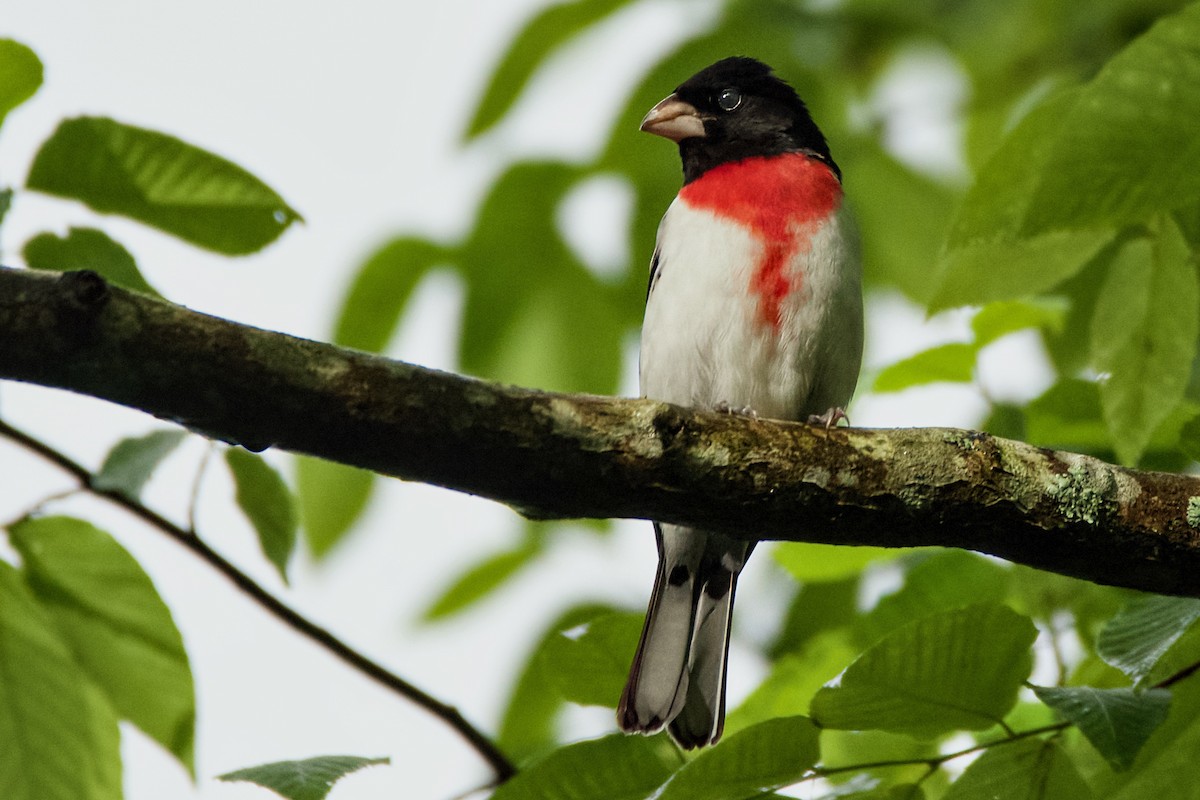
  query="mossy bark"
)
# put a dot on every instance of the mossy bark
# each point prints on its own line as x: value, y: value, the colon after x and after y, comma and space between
x: 552, y: 455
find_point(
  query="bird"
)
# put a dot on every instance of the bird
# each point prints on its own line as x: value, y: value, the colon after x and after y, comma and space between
x: 754, y: 306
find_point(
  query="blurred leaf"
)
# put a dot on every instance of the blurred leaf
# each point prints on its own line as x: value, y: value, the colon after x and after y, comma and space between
x: 1144, y: 333
x: 816, y: 608
x: 769, y: 755
x: 6, y: 196
x: 161, y: 181
x: 120, y: 631
x: 955, y: 670
x: 953, y: 362
x: 481, y: 579
x: 996, y: 320
x: 542, y: 35
x: 132, y: 461
x: 1031, y: 769
x: 987, y: 258
x: 553, y: 325
x: 1005, y: 420
x: 1068, y: 416
x: 310, y: 779
x: 616, y: 767
x: 904, y: 791
x: 898, y: 248
x: 527, y: 727
x: 332, y: 498
x: 1136, y: 638
x: 57, y: 740
x: 1116, y: 721
x: 1142, y: 106
x: 267, y: 503
x: 1070, y: 347
x: 940, y: 581
x: 1189, y: 438
x: 381, y: 289
x: 20, y: 75
x: 589, y: 667
x: 793, y: 680
x: 823, y: 563
x: 86, y: 248
x: 847, y: 749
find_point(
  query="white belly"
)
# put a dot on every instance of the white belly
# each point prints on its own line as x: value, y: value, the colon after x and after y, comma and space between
x: 705, y: 340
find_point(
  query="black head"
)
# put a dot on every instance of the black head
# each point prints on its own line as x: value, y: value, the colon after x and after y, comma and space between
x: 732, y: 110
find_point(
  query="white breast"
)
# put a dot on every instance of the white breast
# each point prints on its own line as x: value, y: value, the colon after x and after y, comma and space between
x: 705, y: 341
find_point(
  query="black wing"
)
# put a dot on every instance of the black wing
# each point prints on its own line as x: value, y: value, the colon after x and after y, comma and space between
x: 654, y: 263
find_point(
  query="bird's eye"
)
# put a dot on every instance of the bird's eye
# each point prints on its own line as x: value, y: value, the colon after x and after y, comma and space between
x: 729, y: 99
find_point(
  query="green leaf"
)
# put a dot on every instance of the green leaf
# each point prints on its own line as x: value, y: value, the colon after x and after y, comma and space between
x: 769, y: 755
x: 987, y: 256
x: 309, y: 779
x: 1000, y: 319
x: 120, y: 631
x: 6, y: 196
x: 940, y: 581
x: 58, y: 740
x: 1166, y: 764
x: 332, y: 498
x: 20, y: 75
x: 544, y: 34
x: 381, y: 289
x: 1144, y: 334
x: 955, y: 670
x: 481, y: 579
x: 616, y: 767
x: 162, y: 181
x: 1143, y: 631
x: 901, y: 792
x: 1029, y: 769
x: 558, y: 327
x: 953, y: 363
x: 1189, y: 438
x: 897, y: 248
x: 527, y: 727
x: 86, y: 248
x: 905, y: 791
x: 823, y: 563
x: 790, y: 685
x: 1116, y: 721
x: 1128, y: 148
x: 847, y: 750
x: 132, y: 461
x: 589, y: 667
x: 267, y: 503
x: 817, y: 608
x: 1068, y: 416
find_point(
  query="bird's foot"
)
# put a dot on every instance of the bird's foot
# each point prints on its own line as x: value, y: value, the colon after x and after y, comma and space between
x: 830, y: 418
x: 743, y: 411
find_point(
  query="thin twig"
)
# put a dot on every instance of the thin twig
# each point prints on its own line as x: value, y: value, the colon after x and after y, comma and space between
x: 937, y: 761
x: 500, y: 764
x: 1186, y: 672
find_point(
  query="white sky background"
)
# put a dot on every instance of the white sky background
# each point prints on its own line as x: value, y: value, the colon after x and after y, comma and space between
x: 354, y: 116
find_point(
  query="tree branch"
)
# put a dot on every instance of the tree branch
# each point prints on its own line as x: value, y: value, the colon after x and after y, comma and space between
x: 552, y: 455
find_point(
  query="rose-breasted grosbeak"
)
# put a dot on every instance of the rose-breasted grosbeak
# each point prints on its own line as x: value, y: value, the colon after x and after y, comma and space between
x: 755, y: 302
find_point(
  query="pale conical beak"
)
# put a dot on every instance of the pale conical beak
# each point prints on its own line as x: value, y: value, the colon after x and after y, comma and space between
x: 674, y: 119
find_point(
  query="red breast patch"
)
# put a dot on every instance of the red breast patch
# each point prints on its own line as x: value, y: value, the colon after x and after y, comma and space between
x: 776, y: 198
